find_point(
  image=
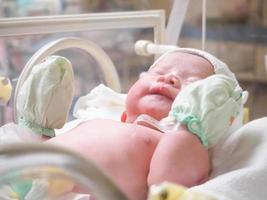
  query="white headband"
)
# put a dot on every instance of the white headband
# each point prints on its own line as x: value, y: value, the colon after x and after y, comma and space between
x: 219, y: 66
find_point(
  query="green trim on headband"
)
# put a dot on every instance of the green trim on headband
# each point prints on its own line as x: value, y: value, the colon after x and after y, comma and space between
x: 36, y: 128
x: 193, y: 125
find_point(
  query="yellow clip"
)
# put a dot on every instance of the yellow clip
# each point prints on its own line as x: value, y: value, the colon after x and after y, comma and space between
x: 246, y: 115
x: 171, y: 191
x: 5, y: 90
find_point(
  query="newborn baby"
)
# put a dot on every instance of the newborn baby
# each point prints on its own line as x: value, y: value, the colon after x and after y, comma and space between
x: 168, y: 124
x: 137, y: 154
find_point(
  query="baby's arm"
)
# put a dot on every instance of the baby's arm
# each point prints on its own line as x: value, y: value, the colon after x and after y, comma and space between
x: 200, y: 116
x: 181, y: 158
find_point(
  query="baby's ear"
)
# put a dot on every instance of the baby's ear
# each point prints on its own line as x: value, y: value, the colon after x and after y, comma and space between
x: 123, y: 116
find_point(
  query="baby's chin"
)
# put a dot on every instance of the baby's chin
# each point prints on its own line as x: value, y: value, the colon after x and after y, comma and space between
x: 157, y: 100
x: 156, y: 106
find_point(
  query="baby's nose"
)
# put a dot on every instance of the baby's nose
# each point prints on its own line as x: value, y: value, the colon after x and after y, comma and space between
x: 172, y: 80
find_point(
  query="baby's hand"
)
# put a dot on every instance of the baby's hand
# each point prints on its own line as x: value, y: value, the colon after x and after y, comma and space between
x: 45, y: 96
x: 208, y: 107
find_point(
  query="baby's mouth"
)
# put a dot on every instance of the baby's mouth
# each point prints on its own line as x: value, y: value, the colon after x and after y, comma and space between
x: 164, y: 90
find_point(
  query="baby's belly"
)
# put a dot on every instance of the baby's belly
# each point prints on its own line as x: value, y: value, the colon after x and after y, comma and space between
x: 123, y: 150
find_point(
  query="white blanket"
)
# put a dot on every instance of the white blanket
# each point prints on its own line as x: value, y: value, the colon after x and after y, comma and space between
x: 240, y: 165
x: 100, y: 102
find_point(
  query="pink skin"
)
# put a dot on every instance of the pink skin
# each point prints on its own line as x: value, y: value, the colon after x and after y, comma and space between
x: 122, y: 150
x: 135, y: 156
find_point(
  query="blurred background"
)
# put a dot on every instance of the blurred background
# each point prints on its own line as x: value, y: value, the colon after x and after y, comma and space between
x: 236, y: 33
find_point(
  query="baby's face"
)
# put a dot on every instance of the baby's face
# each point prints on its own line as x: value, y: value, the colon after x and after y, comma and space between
x: 155, y: 91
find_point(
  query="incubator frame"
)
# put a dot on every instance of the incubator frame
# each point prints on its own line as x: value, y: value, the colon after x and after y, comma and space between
x: 86, y: 22
x: 79, y: 169
x: 154, y: 19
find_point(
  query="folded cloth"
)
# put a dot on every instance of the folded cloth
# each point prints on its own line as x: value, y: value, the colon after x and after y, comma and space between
x: 44, y: 100
x: 101, y: 102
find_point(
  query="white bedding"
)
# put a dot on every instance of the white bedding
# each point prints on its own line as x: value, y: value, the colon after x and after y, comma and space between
x: 100, y: 102
x: 240, y: 165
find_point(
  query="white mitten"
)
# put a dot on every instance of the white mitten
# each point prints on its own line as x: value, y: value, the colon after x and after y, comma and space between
x: 207, y: 107
x: 45, y: 97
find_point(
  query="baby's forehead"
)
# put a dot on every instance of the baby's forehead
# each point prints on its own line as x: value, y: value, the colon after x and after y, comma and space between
x: 183, y: 63
x: 182, y: 58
